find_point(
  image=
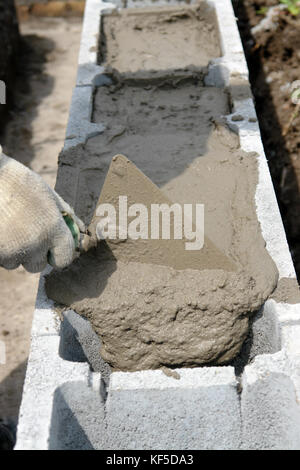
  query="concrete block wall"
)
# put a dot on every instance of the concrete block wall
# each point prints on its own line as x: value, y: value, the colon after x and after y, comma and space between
x: 148, y: 410
x: 67, y: 405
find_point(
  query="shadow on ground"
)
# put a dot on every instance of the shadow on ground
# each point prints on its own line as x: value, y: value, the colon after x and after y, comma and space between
x: 10, y: 400
x: 24, y: 108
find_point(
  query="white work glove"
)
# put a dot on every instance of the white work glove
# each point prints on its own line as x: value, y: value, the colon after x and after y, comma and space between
x: 33, y: 230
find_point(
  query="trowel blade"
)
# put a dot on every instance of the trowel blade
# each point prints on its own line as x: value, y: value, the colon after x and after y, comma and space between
x: 125, y: 179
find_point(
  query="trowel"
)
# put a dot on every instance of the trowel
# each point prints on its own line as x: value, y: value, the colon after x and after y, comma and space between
x: 125, y: 179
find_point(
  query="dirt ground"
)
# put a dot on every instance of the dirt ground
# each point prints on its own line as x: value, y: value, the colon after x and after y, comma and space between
x: 274, y: 63
x: 34, y: 135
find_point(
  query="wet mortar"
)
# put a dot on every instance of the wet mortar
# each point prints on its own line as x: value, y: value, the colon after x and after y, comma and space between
x: 150, y: 315
x: 148, y: 311
x: 160, y: 39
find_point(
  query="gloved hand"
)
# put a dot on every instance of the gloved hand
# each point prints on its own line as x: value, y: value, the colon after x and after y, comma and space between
x: 33, y: 230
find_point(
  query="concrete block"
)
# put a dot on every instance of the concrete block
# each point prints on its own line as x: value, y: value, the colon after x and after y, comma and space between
x: 79, y: 343
x: 267, y: 208
x: 78, y: 417
x: 45, y: 322
x: 233, y: 61
x: 80, y: 127
x: 46, y: 371
x: 88, y: 67
x: 266, y: 335
x: 148, y: 410
x: 269, y: 407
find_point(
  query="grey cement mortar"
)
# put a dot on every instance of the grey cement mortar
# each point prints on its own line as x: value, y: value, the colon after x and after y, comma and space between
x: 159, y: 39
x: 122, y: 109
x: 79, y: 343
x: 287, y: 291
x: 169, y: 128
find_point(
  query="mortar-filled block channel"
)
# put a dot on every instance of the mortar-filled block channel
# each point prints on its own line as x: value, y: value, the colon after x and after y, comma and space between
x: 155, y: 304
x: 160, y: 38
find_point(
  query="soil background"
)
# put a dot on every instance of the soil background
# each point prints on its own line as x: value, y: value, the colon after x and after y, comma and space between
x: 34, y: 135
x: 274, y: 64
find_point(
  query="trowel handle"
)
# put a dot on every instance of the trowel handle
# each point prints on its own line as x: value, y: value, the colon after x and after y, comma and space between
x: 83, y: 241
x: 87, y: 242
x: 73, y: 228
